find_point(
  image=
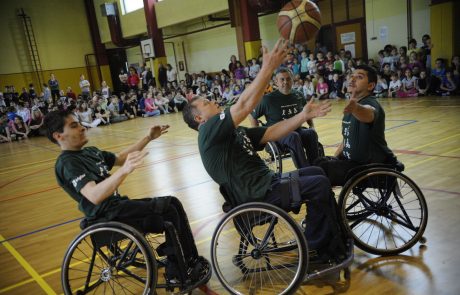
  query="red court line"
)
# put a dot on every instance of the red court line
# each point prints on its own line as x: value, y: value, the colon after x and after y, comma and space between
x: 21, y: 177
x: 207, y: 290
x: 55, y: 187
x: 30, y: 193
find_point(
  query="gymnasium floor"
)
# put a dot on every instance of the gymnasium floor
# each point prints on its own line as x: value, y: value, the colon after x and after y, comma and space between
x: 38, y: 220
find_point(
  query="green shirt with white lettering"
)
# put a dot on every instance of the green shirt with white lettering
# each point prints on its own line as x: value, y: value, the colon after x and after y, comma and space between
x: 230, y: 158
x: 277, y: 106
x: 74, y: 169
x: 365, y: 143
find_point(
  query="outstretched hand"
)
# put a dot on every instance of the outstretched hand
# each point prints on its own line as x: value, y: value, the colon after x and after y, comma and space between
x: 134, y: 160
x: 317, y: 109
x: 157, y: 130
x: 351, y: 106
x: 276, y: 56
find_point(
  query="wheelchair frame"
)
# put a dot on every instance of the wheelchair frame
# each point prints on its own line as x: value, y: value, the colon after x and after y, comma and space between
x: 391, y: 184
x: 116, y: 257
x: 378, y: 194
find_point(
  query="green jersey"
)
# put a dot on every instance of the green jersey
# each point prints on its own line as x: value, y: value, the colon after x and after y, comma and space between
x: 277, y: 107
x: 365, y: 142
x: 230, y: 158
x: 74, y: 169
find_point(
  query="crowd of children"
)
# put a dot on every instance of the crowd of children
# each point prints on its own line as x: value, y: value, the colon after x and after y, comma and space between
x: 402, y: 72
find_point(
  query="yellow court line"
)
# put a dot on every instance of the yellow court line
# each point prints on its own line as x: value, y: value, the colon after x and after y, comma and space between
x: 33, y: 273
x: 433, y: 142
x: 430, y: 159
x: 4, y: 290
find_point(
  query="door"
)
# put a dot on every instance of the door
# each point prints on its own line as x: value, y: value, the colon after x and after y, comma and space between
x: 349, y: 36
x: 117, y: 62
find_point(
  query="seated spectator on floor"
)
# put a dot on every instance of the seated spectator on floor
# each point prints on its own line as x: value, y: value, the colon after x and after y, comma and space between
x: 447, y: 86
x: 394, y: 86
x: 423, y: 84
x: 363, y: 130
x: 381, y: 88
x: 308, y: 89
x: 36, y: 122
x: 5, y: 135
x: 179, y: 100
x: 438, y: 75
x: 409, y: 85
x: 335, y: 89
x: 20, y: 128
x: 85, y: 116
x: 322, y: 89
x: 161, y: 102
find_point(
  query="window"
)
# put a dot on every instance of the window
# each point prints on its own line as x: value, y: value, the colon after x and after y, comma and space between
x: 131, y: 5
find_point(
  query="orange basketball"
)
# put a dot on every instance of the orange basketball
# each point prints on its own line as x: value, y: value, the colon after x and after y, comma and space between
x: 299, y: 21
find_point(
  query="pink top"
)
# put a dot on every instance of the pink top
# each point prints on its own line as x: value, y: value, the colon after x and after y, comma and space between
x: 322, y: 88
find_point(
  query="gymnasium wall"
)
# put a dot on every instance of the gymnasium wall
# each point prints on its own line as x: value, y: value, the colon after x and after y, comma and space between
x: 62, y: 35
x: 390, y: 16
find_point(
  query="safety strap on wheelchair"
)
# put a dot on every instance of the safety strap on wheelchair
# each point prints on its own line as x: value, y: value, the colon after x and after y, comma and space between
x: 290, y: 195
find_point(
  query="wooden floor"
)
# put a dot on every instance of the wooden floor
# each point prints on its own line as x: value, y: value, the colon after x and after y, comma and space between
x: 38, y: 220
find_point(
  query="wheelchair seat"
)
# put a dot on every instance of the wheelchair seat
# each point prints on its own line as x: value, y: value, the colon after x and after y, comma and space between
x: 397, y: 165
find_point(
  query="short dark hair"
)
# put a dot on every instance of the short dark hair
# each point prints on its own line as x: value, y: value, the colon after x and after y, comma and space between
x: 283, y: 70
x: 54, y: 122
x: 188, y: 113
x: 371, y: 73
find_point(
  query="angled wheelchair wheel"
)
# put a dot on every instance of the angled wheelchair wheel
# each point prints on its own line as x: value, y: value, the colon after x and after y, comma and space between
x: 384, y: 211
x: 109, y: 258
x: 272, y: 157
x: 259, y: 249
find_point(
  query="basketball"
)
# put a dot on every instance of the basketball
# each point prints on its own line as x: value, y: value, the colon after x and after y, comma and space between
x: 299, y: 21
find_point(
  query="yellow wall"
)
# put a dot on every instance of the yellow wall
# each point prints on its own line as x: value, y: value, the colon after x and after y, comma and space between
x: 61, y: 31
x: 172, y: 12
x: 62, y: 36
x: 420, y: 19
x: 442, y: 31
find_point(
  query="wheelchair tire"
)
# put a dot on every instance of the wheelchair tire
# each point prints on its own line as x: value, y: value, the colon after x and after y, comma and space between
x: 109, y: 257
x: 383, y: 210
x: 272, y: 157
x: 259, y: 249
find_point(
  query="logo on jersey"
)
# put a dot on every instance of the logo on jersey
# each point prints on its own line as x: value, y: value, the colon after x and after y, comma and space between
x: 77, y: 180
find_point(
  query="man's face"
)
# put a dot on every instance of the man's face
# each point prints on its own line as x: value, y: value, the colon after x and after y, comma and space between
x: 359, y: 82
x: 73, y: 135
x: 205, y: 109
x: 284, y: 82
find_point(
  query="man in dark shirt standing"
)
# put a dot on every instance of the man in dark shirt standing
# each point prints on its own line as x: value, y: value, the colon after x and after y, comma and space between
x: 283, y: 104
x: 83, y: 172
x: 228, y: 153
x: 363, y: 129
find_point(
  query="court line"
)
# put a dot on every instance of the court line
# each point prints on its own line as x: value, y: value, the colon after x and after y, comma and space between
x: 73, y: 220
x: 440, y: 191
x: 32, y: 272
x: 429, y: 159
x: 437, y: 141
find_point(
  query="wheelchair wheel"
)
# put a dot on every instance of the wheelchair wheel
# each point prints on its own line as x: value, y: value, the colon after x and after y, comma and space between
x: 110, y: 258
x: 272, y: 157
x: 259, y: 249
x: 384, y: 211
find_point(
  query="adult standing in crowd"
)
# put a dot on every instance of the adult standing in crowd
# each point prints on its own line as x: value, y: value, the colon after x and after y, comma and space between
x: 85, y: 87
x: 162, y: 75
x: 133, y: 79
x: 53, y: 83
x: 171, y: 74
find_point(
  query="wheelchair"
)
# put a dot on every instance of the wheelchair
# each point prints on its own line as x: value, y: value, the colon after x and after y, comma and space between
x: 273, y: 155
x: 258, y: 248
x: 382, y: 209
x: 115, y: 258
